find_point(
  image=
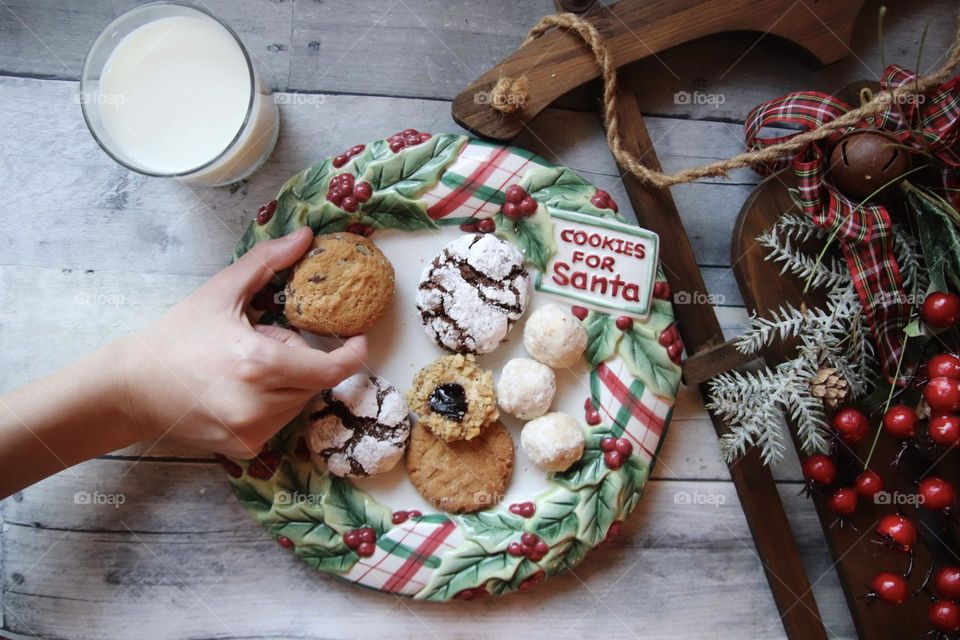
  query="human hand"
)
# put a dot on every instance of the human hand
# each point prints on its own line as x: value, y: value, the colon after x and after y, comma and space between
x: 206, y: 376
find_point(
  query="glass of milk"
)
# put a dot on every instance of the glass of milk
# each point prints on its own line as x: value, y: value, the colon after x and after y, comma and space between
x: 169, y: 90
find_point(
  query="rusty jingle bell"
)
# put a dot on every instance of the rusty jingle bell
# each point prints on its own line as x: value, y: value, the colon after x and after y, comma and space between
x: 867, y: 164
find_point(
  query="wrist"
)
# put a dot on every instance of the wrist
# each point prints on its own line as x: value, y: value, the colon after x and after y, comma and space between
x: 116, y: 365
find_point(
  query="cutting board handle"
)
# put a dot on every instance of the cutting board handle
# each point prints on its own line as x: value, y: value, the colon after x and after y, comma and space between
x: 557, y: 61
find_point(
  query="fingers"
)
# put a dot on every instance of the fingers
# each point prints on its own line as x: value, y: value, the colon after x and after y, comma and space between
x: 255, y: 268
x: 312, y: 369
x: 287, y: 337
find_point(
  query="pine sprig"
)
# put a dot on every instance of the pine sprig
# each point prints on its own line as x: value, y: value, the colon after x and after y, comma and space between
x: 831, y: 272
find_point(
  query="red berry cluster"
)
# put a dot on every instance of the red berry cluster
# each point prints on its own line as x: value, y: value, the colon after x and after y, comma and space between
x: 941, y: 392
x: 518, y: 203
x: 523, y: 509
x: 602, y: 200
x: 532, y: 581
x: 347, y: 194
x: 592, y: 416
x: 473, y: 594
x: 342, y: 159
x: 940, y: 310
x: 530, y: 547
x: 362, y: 541
x: 661, y: 290
x: 265, y: 464
x: 580, y: 313
x: 850, y: 424
x: 406, y: 138
x: 670, y: 338
x: 399, y: 517
x: 265, y: 212
x: 615, y: 451
x: 479, y: 225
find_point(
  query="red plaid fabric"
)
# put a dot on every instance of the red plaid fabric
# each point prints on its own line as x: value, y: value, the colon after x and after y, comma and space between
x: 632, y: 410
x: 864, y: 230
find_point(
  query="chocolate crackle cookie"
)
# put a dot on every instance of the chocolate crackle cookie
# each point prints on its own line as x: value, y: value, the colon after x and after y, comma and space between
x: 360, y: 427
x: 472, y: 293
x: 463, y: 476
x: 453, y: 397
x: 340, y: 287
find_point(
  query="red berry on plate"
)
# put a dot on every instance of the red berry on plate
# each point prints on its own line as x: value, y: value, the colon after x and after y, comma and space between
x: 529, y: 539
x: 820, y: 469
x: 514, y: 508
x: 352, y: 539
x: 944, y: 429
x: 897, y: 530
x: 891, y: 588
x: 285, y: 542
x: 593, y: 417
x: 899, y: 421
x: 613, y: 531
x: 850, y: 424
x: 940, y: 310
x: 334, y: 195
x: 624, y: 323
x: 425, y: 136
x: 943, y: 394
x: 944, y: 616
x: 409, y: 132
x: 487, y: 225
x: 527, y: 509
x: 944, y: 364
x: 349, y: 204
x: 580, y: 313
x: 541, y: 547
x: 515, y: 549
x: 366, y: 549
x: 936, y: 494
x: 608, y: 443
x: 469, y: 227
x: 362, y: 191
x: 666, y: 337
x: 588, y: 404
x: 528, y: 206
x: 515, y: 194
x: 395, y: 146
x: 947, y: 582
x: 265, y: 212
x: 532, y: 581
x: 414, y: 513
x: 613, y: 459
x: 399, y: 517
x: 868, y: 484
x: 843, y: 501
x: 357, y: 148
x: 367, y: 534
x: 512, y: 211
x: 412, y: 139
x: 674, y: 351
x: 340, y: 160
x: 623, y: 447
x: 611, y: 204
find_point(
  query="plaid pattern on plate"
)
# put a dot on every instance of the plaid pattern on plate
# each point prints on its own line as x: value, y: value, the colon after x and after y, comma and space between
x: 633, y: 411
x: 407, y: 555
x: 472, y: 187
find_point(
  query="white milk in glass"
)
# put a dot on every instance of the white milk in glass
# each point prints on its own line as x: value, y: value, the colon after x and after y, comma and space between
x: 176, y: 93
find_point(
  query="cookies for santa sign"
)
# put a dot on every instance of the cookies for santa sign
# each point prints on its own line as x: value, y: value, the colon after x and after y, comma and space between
x: 601, y: 263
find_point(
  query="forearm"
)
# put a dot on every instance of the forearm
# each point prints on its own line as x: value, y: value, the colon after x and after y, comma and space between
x: 77, y: 413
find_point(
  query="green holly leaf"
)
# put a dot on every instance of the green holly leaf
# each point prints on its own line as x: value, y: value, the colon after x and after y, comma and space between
x: 415, y: 168
x: 555, y: 519
x: 599, y: 507
x: 390, y: 210
x: 248, y: 495
x: 524, y: 570
x: 561, y: 188
x: 567, y: 555
x: 325, y: 560
x: 533, y: 235
x: 635, y: 473
x: 647, y: 360
x: 939, y: 238
x: 467, y: 567
x: 590, y: 468
x: 347, y: 507
x: 312, y: 183
x: 491, y: 529
x: 602, y: 337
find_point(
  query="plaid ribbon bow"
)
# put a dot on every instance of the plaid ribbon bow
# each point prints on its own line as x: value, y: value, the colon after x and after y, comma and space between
x: 928, y: 122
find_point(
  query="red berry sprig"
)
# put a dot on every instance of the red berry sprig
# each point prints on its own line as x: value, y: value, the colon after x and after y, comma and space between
x: 615, y: 451
x: 348, y: 194
x: 889, y: 587
x: 936, y: 494
x: 944, y: 365
x: 265, y: 212
x: 362, y: 541
x: 523, y: 509
x: 399, y: 517
x: 843, y: 501
x: 896, y: 532
x: 943, y: 394
x: 819, y: 469
x: 342, y: 159
x: 899, y: 421
x: 517, y: 203
x: 850, y: 424
x: 947, y: 582
x: 591, y: 414
x: 580, y: 313
x: 406, y: 138
x: 670, y: 338
x: 940, y: 310
x: 868, y: 484
x: 530, y: 547
x: 944, y: 429
x: 602, y: 200
x: 474, y: 225
x: 944, y: 616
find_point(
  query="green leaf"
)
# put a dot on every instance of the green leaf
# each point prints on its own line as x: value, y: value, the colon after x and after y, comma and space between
x: 313, y: 182
x: 590, y: 469
x: 561, y: 188
x: 491, y: 529
x: 324, y: 560
x: 524, y: 570
x: 467, y: 567
x: 533, y: 235
x: 635, y: 474
x: 569, y: 554
x: 555, y: 519
x: 389, y: 210
x: 414, y: 168
x: 347, y: 507
x: 249, y: 496
x: 648, y: 361
x: 602, y: 337
x: 599, y: 508
x: 939, y: 239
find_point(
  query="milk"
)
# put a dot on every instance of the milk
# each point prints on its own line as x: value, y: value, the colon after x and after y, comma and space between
x: 175, y: 96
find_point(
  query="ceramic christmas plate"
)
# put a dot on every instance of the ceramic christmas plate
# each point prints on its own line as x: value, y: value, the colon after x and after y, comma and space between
x: 426, y: 191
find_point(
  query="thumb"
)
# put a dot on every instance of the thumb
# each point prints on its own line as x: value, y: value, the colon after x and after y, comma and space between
x: 255, y: 268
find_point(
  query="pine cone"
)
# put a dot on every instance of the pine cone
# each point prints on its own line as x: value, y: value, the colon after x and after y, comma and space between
x: 829, y: 386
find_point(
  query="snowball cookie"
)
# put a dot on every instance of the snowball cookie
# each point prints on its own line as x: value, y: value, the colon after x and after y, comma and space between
x: 360, y: 427
x: 554, y: 337
x: 553, y: 442
x: 526, y: 388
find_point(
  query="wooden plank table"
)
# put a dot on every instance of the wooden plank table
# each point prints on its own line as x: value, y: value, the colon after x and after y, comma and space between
x: 91, y: 251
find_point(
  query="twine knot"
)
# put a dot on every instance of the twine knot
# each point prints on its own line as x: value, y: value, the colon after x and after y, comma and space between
x: 509, y: 94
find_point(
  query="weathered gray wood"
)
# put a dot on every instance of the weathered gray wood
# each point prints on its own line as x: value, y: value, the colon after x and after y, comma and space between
x: 205, y: 570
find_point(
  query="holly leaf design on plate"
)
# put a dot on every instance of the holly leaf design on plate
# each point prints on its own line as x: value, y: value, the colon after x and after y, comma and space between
x: 390, y: 210
x: 602, y: 337
x: 599, y: 507
x: 347, y: 507
x: 568, y: 555
x: 533, y: 235
x: 414, y: 168
x: 327, y: 560
x: 467, y: 567
x: 555, y: 519
x: 635, y: 473
x: 590, y: 468
x: 491, y: 529
x: 561, y: 188
x: 647, y: 360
